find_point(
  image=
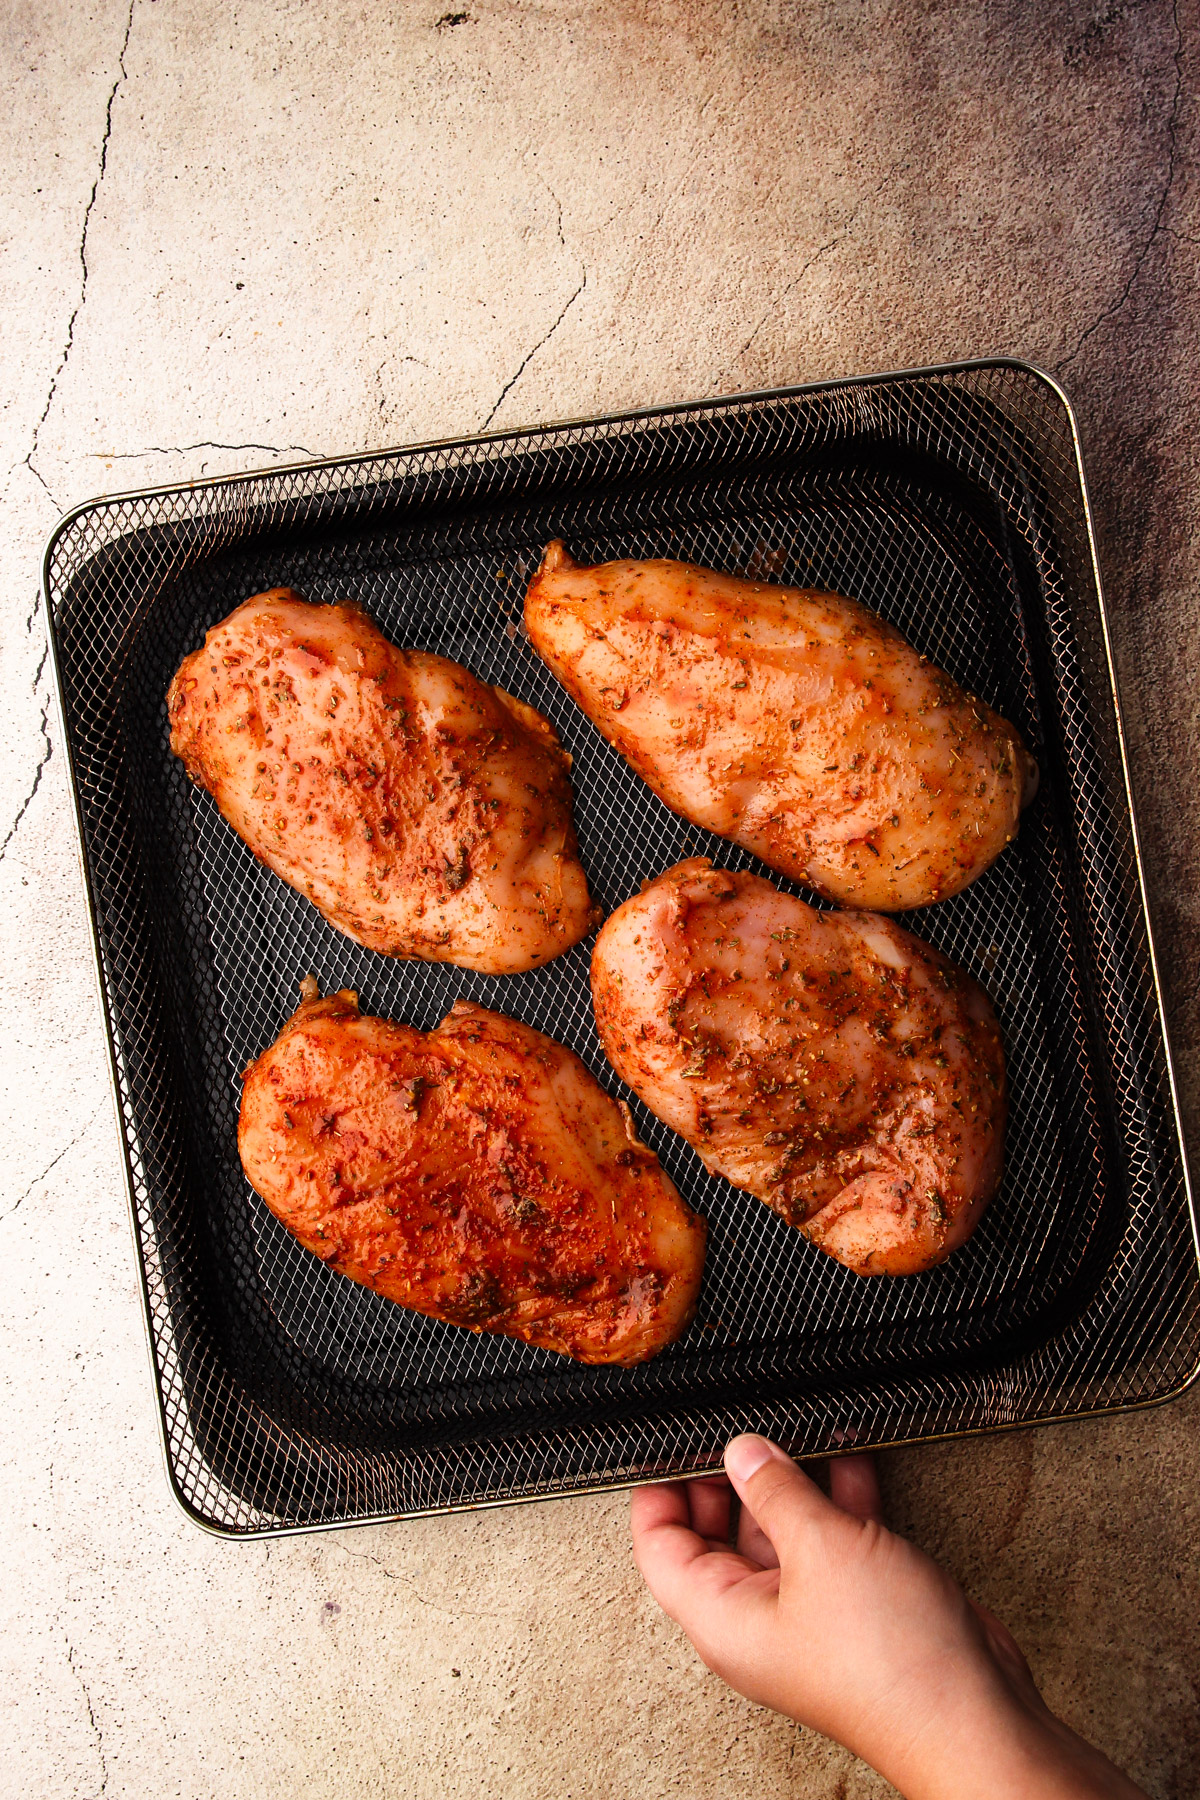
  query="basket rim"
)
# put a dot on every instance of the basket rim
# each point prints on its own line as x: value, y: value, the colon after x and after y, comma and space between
x: 577, y: 422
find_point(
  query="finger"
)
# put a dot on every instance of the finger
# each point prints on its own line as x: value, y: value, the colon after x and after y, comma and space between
x: 854, y: 1486
x: 664, y: 1544
x: 708, y: 1502
x: 685, y: 1575
x: 752, y: 1541
x: 781, y: 1498
x: 661, y: 1503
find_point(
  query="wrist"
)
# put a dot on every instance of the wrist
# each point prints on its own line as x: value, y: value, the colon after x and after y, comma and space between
x: 1005, y: 1750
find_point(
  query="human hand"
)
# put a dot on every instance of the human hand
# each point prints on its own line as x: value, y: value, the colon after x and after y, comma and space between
x: 824, y: 1614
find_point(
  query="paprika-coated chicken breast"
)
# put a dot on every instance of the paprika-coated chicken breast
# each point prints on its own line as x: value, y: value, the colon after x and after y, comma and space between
x: 476, y: 1173
x: 831, y: 1063
x: 424, y: 813
x: 798, y: 724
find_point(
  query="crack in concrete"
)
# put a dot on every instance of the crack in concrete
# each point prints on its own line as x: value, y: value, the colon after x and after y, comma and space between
x: 122, y: 76
x: 558, y: 203
x: 509, y: 385
x: 47, y: 740
x: 207, y: 444
x: 670, y: 200
x: 53, y: 1164
x: 37, y: 476
x: 407, y: 1582
x: 97, y: 1734
x: 1117, y: 306
x: 838, y: 238
x: 43, y: 759
x: 383, y: 394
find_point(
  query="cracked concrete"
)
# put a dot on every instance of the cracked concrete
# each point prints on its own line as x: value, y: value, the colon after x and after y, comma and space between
x: 114, y: 456
x: 235, y: 235
x: 69, y: 340
x: 50, y: 1166
x: 525, y: 361
x: 839, y: 237
x: 1116, y: 307
x: 97, y: 1734
x: 47, y: 751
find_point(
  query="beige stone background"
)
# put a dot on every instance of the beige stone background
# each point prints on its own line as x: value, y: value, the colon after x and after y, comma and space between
x: 238, y: 231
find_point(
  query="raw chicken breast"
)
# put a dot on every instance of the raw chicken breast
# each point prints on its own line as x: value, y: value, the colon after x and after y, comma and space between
x: 798, y: 724
x: 477, y: 1173
x: 831, y: 1063
x: 424, y: 813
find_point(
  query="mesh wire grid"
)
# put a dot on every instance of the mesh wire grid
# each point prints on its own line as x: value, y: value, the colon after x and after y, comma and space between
x: 950, y: 501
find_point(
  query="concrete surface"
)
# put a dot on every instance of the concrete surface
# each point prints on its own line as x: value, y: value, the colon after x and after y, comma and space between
x: 232, y: 232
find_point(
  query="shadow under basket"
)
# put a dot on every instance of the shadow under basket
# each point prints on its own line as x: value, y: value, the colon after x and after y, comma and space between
x: 949, y: 500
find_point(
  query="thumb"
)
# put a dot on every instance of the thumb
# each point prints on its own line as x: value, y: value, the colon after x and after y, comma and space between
x: 780, y: 1495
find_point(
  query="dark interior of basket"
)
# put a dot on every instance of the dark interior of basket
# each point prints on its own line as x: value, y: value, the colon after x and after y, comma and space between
x: 950, y: 504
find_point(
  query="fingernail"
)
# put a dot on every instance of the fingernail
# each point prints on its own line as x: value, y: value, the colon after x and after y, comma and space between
x: 745, y: 1456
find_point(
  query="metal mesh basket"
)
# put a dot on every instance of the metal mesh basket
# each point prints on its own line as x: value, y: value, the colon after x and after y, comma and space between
x: 949, y: 500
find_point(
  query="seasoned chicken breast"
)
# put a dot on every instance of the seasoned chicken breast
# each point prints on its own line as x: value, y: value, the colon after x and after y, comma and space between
x: 832, y: 1064
x: 424, y: 813
x: 477, y: 1173
x: 798, y: 724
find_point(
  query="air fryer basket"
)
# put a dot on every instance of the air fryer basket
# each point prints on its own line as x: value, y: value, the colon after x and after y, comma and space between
x: 952, y: 502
